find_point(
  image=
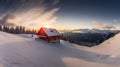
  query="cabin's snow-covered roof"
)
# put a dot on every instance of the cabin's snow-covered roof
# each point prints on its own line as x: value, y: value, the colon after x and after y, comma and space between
x: 51, y: 32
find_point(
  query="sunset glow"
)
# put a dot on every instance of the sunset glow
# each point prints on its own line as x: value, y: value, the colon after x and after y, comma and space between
x: 47, y: 26
x: 62, y: 14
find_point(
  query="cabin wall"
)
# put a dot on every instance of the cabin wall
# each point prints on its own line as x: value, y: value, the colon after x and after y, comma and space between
x: 53, y: 38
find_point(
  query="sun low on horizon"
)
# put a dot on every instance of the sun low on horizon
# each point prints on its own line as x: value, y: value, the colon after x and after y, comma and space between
x: 47, y: 26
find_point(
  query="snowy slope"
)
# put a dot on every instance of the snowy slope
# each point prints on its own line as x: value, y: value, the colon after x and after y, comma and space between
x: 24, y: 51
x: 109, y: 47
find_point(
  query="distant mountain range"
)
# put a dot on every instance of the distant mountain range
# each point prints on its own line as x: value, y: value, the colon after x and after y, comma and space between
x: 94, y: 31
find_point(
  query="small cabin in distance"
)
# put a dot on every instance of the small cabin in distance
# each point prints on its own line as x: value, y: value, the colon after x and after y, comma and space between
x: 49, y: 35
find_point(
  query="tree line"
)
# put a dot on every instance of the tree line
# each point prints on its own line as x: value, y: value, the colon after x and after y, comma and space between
x: 17, y: 29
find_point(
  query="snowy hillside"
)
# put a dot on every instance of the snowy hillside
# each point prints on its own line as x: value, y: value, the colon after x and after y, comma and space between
x: 24, y: 51
x: 110, y: 47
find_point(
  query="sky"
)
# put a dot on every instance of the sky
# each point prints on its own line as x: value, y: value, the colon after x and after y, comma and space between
x: 61, y: 14
x: 102, y: 14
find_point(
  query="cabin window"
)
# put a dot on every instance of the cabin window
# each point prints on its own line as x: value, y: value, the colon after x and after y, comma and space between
x: 51, y: 30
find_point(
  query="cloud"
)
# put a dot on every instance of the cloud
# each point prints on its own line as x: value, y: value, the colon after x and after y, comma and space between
x: 5, y: 20
x: 39, y: 18
x: 28, y: 12
x: 100, y: 25
x: 55, y: 1
x: 115, y: 22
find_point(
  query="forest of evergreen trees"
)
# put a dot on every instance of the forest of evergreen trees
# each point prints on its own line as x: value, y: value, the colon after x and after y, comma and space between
x: 87, y: 39
x: 17, y: 29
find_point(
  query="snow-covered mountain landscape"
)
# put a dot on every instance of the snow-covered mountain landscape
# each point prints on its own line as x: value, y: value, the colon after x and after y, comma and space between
x: 59, y: 33
x: 22, y: 50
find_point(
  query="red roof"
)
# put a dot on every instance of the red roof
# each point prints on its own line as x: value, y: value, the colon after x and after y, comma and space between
x: 50, y: 31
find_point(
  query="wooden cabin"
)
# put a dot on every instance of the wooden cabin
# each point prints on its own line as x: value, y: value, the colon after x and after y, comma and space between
x: 49, y: 35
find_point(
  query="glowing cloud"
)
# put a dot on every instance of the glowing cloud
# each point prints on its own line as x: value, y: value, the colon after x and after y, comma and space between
x: 102, y: 26
x: 35, y: 13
